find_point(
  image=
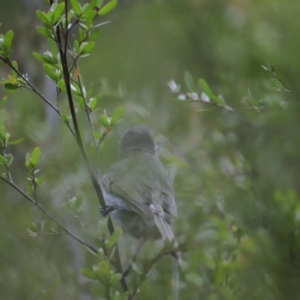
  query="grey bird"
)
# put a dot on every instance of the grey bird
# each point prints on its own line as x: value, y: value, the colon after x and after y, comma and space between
x: 137, y: 191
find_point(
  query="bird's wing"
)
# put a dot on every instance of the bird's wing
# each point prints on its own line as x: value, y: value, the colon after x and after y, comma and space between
x: 138, y: 192
x: 128, y: 189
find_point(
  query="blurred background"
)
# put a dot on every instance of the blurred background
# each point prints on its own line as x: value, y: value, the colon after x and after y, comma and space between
x: 237, y: 173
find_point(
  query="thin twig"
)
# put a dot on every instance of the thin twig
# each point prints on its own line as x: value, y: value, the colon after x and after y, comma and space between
x: 40, y: 207
x: 8, y: 62
x: 31, y: 87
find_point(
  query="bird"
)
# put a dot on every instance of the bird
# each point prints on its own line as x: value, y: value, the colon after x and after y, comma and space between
x: 137, y: 190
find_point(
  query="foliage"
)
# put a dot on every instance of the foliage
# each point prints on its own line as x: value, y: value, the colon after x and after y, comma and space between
x: 231, y: 134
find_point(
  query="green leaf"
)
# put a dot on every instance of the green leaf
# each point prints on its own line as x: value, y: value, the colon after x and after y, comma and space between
x: 80, y: 102
x: 205, y: 88
x: 218, y: 100
x: 116, y: 116
x: 86, y: 47
x: 7, y: 40
x: 76, y: 6
x: 102, y: 270
x: 29, y: 187
x: 113, y: 238
x: 16, y: 142
x: 41, y: 58
x: 35, y: 156
x: 50, y: 72
x: 9, y: 158
x: 88, y: 6
x: 104, y: 121
x: 189, y: 81
x: 88, y: 18
x: 61, y: 85
x: 10, y: 87
x: 27, y: 158
x: 107, y: 7
x: 43, y: 31
x: 92, y: 103
x: 43, y: 17
x: 88, y: 273
x: 94, y: 35
x: 78, y: 202
x: 52, y: 47
x: 2, y: 160
x: 15, y: 65
x: 115, y: 278
x: 96, y: 135
x: 2, y: 133
x: 58, y: 12
x: 40, y: 180
x: 65, y: 118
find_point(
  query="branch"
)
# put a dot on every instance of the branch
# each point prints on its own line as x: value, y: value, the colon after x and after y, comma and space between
x: 31, y: 87
x: 95, y: 183
x: 8, y: 62
x: 40, y: 207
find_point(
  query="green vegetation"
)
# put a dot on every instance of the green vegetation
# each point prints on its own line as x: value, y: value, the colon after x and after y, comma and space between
x: 216, y: 81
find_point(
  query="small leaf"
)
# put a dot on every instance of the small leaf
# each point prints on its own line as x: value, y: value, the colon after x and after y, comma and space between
x: 92, y: 103
x: 189, y: 81
x: 58, y: 12
x: 104, y: 121
x: 86, y: 47
x: 16, y: 142
x: 113, y: 238
x: 205, y: 88
x: 2, y: 133
x: 43, y: 31
x: 40, y: 180
x: 102, y: 270
x: 61, y: 85
x: 78, y: 202
x: 41, y: 58
x: 14, y: 69
x: 2, y: 160
x: 88, y: 273
x: 76, y: 6
x: 94, y: 35
x: 50, y: 72
x: 96, y: 135
x: 65, y: 118
x: 9, y: 158
x: 115, y: 278
x: 107, y: 7
x: 35, y: 156
x: 43, y: 17
x: 27, y: 157
x: 10, y: 87
x: 116, y: 116
x: 52, y: 47
x: 7, y: 40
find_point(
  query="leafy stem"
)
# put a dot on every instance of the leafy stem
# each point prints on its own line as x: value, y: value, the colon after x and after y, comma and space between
x: 41, y: 208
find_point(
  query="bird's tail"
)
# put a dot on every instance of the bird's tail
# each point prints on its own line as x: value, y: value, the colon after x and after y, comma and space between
x: 167, y: 233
